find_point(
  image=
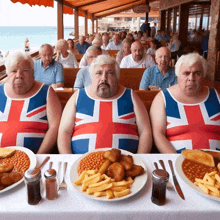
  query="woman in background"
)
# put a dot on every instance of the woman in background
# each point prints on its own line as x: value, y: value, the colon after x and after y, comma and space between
x: 126, y: 50
x: 26, y: 45
x: 67, y: 59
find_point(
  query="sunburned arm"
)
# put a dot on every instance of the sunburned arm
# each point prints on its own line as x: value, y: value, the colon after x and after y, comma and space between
x: 143, y: 125
x: 53, y: 116
x: 67, y: 125
x: 158, y: 121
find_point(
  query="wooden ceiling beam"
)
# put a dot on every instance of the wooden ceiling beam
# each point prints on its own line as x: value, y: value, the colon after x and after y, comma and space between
x: 115, y: 11
x: 117, y: 6
x: 91, y: 3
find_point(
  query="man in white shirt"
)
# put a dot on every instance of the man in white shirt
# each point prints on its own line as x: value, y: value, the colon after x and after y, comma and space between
x: 96, y: 42
x: 138, y: 58
x: 115, y: 44
x: 105, y: 40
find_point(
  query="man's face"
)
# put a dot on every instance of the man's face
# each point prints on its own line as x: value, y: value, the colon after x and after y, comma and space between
x: 116, y: 39
x: 46, y: 56
x: 163, y: 58
x: 91, y: 55
x: 190, y: 79
x: 137, y: 51
x: 105, y: 81
x: 81, y: 40
x: 21, y: 77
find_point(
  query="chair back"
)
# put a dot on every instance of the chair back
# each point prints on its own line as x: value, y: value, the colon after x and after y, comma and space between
x: 70, y: 77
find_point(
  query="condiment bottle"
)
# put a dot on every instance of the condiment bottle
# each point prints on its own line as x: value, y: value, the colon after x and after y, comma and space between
x: 51, y: 184
x: 160, y: 179
x: 33, y: 183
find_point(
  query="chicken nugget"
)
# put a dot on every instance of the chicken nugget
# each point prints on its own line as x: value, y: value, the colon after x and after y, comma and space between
x: 126, y: 161
x: 135, y: 171
x: 116, y: 171
x: 113, y: 155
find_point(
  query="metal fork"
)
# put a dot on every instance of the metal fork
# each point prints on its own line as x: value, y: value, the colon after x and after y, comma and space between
x: 63, y: 185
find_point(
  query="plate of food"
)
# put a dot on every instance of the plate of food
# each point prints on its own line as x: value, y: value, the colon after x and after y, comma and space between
x: 108, y: 174
x: 200, y: 169
x: 14, y: 161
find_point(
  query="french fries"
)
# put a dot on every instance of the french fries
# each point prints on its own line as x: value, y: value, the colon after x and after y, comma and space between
x: 97, y: 184
x: 210, y: 183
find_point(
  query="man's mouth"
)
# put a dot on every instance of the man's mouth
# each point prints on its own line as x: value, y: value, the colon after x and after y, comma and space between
x: 103, y: 84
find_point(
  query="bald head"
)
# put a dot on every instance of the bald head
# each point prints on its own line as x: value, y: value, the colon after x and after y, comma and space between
x: 137, y: 51
x: 162, y: 57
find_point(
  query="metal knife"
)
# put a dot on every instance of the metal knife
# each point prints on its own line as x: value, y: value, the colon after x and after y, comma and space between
x: 177, y: 186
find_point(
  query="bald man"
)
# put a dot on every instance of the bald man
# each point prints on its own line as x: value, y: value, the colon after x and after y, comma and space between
x: 138, y: 58
x: 160, y: 75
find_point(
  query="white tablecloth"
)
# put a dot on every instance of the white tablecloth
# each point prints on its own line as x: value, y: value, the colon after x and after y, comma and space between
x: 72, y: 205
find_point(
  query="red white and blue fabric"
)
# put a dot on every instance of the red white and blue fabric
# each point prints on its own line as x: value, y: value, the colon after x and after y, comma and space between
x: 104, y: 123
x: 193, y: 126
x: 23, y: 122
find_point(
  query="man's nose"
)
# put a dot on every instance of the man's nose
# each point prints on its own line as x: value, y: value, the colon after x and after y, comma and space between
x: 19, y: 74
x: 191, y: 76
x: 104, y: 77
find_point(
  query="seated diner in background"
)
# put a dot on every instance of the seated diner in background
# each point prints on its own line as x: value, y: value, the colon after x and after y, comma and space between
x: 105, y: 40
x: 138, y: 58
x: 83, y: 77
x: 71, y: 48
x: 47, y: 70
x: 68, y: 60
x: 163, y: 38
x: 104, y: 115
x: 186, y: 116
x: 82, y: 45
x: 115, y: 44
x: 96, y: 42
x: 126, y: 50
x: 154, y: 45
x: 161, y: 75
x: 30, y: 110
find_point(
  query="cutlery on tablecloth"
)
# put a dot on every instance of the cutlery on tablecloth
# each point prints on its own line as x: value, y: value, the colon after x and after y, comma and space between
x: 63, y: 183
x: 169, y: 184
x: 177, y: 186
x: 58, y: 171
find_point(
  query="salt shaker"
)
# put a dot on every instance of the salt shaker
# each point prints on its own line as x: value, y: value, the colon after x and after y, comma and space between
x: 160, y: 179
x: 34, y: 186
x: 51, y: 184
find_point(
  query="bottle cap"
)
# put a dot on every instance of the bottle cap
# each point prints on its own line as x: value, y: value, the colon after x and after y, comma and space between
x: 160, y: 176
x: 51, y: 173
x: 32, y: 177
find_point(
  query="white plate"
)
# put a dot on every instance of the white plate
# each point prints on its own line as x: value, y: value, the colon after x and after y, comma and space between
x: 178, y: 166
x: 33, y: 162
x: 138, y: 184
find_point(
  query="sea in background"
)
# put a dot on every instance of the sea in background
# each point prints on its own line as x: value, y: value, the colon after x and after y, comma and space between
x: 13, y: 38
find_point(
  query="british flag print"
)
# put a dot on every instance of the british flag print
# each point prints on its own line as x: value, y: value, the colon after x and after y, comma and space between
x: 105, y: 124
x: 23, y: 122
x: 193, y: 126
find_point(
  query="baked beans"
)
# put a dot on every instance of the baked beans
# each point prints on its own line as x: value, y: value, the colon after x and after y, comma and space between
x: 91, y: 161
x: 194, y: 170
x: 20, y: 160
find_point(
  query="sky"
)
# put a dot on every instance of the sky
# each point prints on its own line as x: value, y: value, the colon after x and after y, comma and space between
x: 17, y: 14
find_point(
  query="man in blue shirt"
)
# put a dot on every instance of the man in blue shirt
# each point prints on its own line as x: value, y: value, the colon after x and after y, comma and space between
x: 144, y: 27
x: 160, y: 75
x: 82, y: 45
x: 83, y: 77
x: 47, y: 70
x: 163, y: 38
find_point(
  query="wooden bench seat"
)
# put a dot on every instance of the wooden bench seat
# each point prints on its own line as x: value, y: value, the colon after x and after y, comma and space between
x: 112, y: 53
x: 146, y: 96
x: 129, y: 77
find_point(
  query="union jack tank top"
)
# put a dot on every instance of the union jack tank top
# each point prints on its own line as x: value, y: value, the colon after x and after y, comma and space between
x: 104, y: 123
x: 193, y: 126
x: 23, y: 122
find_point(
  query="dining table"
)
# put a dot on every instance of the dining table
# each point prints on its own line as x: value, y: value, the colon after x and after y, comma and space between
x: 71, y: 204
